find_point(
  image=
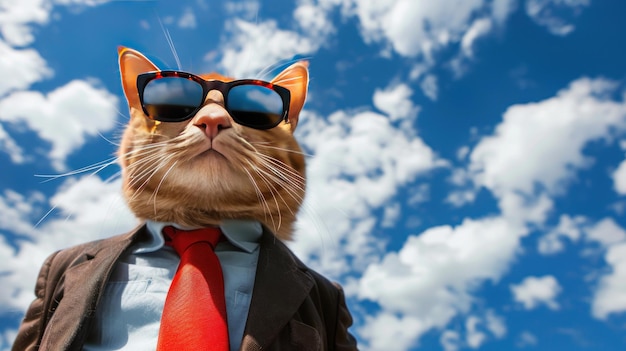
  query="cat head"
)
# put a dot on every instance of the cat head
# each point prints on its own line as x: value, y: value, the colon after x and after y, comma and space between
x: 208, y: 168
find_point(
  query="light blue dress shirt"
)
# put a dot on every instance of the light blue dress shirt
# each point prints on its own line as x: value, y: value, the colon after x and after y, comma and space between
x: 129, y: 313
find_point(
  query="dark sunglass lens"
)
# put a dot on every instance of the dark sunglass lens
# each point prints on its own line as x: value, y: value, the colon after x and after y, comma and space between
x: 172, y: 99
x: 255, y: 106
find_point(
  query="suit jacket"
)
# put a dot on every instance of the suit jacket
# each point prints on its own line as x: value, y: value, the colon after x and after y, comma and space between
x: 292, y: 307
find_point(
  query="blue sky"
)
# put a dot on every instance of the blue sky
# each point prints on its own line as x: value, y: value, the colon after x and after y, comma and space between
x: 467, y: 176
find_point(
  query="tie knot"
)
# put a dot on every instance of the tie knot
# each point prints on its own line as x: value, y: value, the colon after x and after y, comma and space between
x: 181, y: 239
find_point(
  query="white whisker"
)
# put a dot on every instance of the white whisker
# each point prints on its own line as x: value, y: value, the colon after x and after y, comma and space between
x: 156, y: 191
x: 272, y: 162
x: 265, y: 72
x: 263, y: 145
x: 45, y: 216
x: 273, y: 191
x: 97, y: 166
x: 285, y: 81
x: 262, y: 200
x: 170, y: 42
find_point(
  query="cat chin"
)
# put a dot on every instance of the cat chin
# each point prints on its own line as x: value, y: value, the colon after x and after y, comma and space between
x: 203, y: 217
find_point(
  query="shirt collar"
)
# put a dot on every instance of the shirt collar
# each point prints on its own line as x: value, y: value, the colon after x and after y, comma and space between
x: 242, y: 234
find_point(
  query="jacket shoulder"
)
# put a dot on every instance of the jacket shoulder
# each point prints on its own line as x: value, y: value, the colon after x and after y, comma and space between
x: 50, y: 287
x: 329, y: 303
x: 72, y: 255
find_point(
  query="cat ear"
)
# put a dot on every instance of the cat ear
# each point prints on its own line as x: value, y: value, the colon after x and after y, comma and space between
x: 133, y: 63
x: 296, y: 79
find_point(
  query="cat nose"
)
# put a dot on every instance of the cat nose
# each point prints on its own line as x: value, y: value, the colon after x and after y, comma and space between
x: 212, y: 119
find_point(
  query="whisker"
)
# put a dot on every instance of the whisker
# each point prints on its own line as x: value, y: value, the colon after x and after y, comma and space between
x: 290, y: 185
x: 265, y: 72
x: 261, y: 144
x: 108, y: 140
x: 115, y: 175
x: 294, y: 184
x: 156, y: 191
x: 272, y: 190
x: 98, y: 166
x: 285, y: 81
x: 260, y: 196
x: 45, y: 216
x: 271, y: 162
x: 170, y: 42
x: 148, y: 172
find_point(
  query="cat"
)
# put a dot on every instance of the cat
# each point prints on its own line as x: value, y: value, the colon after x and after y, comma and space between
x: 172, y: 174
x: 198, y: 151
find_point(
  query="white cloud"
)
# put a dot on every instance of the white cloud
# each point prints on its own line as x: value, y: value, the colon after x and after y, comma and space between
x: 606, y: 232
x: 7, y: 337
x: 424, y: 28
x: 463, y: 191
x: 526, y: 339
x: 389, y: 329
x: 188, y: 19
x: 529, y: 159
x: 460, y: 198
x: 479, y: 28
x: 619, y: 178
x: 80, y: 2
x: 495, y: 324
x: 17, y: 17
x: 8, y: 145
x: 610, y: 296
x: 252, y: 47
x: 413, y: 28
x: 535, y: 291
x: 406, y: 27
x: 16, y: 211
x: 462, y: 152
x: 450, y: 340
x: 418, y: 194
x: 431, y: 279
x: 353, y: 152
x: 63, y: 117
x: 543, y: 13
x: 20, y: 68
x: 430, y: 87
x: 390, y: 215
x: 520, y: 208
x: 474, y: 337
x: 85, y: 209
x: 395, y: 101
x: 476, y: 328
x: 248, y: 9
x: 501, y: 9
x: 538, y: 147
x: 568, y: 227
x: 314, y: 20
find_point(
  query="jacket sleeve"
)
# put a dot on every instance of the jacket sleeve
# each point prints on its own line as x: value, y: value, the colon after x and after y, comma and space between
x: 32, y: 327
x: 344, y: 341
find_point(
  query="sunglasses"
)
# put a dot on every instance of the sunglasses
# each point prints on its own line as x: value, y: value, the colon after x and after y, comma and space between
x: 173, y: 96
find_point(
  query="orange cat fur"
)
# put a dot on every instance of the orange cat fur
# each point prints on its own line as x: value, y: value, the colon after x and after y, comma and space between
x: 201, y: 171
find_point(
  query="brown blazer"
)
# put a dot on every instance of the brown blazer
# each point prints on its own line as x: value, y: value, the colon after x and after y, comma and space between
x: 292, y: 308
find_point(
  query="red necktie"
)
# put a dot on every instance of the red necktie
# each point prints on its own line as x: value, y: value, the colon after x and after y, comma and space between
x: 194, y: 316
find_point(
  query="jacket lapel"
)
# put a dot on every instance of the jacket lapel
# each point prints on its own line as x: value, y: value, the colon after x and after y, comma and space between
x: 280, y: 287
x: 80, y: 291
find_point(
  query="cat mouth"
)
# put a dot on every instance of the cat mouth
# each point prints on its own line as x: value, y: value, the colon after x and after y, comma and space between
x: 208, y: 146
x: 211, y: 148
x: 211, y: 153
